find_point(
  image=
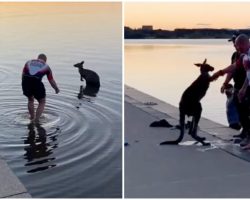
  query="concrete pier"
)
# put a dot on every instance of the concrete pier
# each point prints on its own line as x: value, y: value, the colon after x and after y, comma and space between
x: 187, y: 170
x: 10, y: 185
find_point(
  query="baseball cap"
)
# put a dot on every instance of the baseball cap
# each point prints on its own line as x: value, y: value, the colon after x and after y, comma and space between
x: 234, y: 36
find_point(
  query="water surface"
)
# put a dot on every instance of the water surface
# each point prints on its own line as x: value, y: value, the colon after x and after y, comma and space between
x: 76, y: 151
x: 164, y: 69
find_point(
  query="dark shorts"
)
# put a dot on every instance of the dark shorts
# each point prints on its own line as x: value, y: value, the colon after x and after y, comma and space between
x: 33, y: 87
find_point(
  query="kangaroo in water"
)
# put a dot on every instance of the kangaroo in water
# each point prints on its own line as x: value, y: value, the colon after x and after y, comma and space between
x: 190, y: 104
x: 91, y: 77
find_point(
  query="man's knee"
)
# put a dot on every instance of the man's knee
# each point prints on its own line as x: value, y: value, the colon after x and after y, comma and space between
x: 42, y: 101
x: 30, y: 99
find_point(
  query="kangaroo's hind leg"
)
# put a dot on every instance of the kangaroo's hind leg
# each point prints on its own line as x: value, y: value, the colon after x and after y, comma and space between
x: 191, y: 126
x: 194, y: 126
x: 193, y: 130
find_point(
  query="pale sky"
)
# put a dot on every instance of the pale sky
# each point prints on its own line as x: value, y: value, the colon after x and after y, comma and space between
x: 14, y: 15
x: 171, y: 15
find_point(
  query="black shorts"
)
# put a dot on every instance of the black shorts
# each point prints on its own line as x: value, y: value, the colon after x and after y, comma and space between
x: 33, y: 87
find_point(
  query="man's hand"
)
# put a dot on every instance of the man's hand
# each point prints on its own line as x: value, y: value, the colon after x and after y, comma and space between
x: 54, y: 86
x: 222, y: 89
x: 216, y: 75
x: 57, y: 90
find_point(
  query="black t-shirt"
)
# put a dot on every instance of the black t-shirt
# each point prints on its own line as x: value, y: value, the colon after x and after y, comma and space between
x: 239, y: 75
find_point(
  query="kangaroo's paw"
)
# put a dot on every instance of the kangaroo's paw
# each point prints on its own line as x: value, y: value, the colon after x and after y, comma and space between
x: 198, y: 138
x: 206, y: 143
x: 169, y: 142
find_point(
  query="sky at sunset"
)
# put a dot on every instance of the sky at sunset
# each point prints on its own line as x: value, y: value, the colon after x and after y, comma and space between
x: 59, y: 27
x: 171, y: 15
x: 66, y: 17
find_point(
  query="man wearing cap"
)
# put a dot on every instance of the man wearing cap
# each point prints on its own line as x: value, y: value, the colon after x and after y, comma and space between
x: 238, y: 76
x: 237, y: 71
x: 32, y: 85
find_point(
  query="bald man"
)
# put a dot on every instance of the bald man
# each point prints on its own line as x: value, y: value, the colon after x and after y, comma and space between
x: 32, y: 85
x: 243, y: 46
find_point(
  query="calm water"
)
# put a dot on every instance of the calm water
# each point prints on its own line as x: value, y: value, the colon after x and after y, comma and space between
x: 164, y: 69
x: 77, y: 151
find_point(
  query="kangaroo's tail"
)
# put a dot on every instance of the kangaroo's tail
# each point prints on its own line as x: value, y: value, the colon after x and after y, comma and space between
x: 170, y: 142
x: 180, y: 138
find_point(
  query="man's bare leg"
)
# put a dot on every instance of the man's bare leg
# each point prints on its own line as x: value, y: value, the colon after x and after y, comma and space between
x: 40, y: 109
x: 31, y: 107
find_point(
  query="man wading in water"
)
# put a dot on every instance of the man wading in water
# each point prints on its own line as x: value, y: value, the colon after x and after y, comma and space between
x: 32, y: 85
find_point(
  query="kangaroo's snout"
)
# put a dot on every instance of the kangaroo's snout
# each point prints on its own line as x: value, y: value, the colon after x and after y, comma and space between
x: 79, y: 64
x: 211, y: 69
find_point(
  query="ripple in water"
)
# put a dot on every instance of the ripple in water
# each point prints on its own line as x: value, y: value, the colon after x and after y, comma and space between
x: 75, y: 151
x: 5, y: 72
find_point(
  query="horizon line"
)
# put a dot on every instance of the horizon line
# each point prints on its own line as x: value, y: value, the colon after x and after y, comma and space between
x: 247, y: 28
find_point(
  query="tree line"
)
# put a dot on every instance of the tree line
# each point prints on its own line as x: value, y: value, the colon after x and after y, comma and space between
x: 181, y: 33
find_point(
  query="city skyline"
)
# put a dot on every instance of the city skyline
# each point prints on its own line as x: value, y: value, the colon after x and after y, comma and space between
x: 172, y: 15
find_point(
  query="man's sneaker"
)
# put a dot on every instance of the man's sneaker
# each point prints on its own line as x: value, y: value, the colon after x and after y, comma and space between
x: 242, y: 134
x: 235, y: 126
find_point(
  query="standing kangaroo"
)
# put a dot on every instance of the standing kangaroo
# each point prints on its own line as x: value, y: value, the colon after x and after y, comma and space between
x: 91, y: 77
x: 190, y: 104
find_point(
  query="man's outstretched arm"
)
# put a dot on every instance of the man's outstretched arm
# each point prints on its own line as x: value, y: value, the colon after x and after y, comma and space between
x: 54, y: 85
x: 230, y: 69
x: 52, y: 81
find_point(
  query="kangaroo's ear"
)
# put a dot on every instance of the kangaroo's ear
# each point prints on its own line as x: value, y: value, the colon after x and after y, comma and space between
x: 205, y: 61
x: 82, y: 62
x: 197, y: 64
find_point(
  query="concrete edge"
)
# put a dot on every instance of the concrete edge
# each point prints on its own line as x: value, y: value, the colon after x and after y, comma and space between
x: 10, y: 185
x: 146, y: 102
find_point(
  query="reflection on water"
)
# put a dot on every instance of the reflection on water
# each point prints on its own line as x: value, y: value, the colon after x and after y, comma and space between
x: 39, y: 151
x: 88, y: 90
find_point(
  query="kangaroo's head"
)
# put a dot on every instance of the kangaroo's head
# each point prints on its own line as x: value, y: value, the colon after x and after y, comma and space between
x: 204, y: 67
x: 79, y: 65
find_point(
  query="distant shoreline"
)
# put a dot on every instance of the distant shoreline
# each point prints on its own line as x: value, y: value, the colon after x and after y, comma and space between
x: 181, y: 33
x: 175, y: 38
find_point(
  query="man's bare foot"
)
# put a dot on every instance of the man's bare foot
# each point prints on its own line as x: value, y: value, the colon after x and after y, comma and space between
x: 36, y: 121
